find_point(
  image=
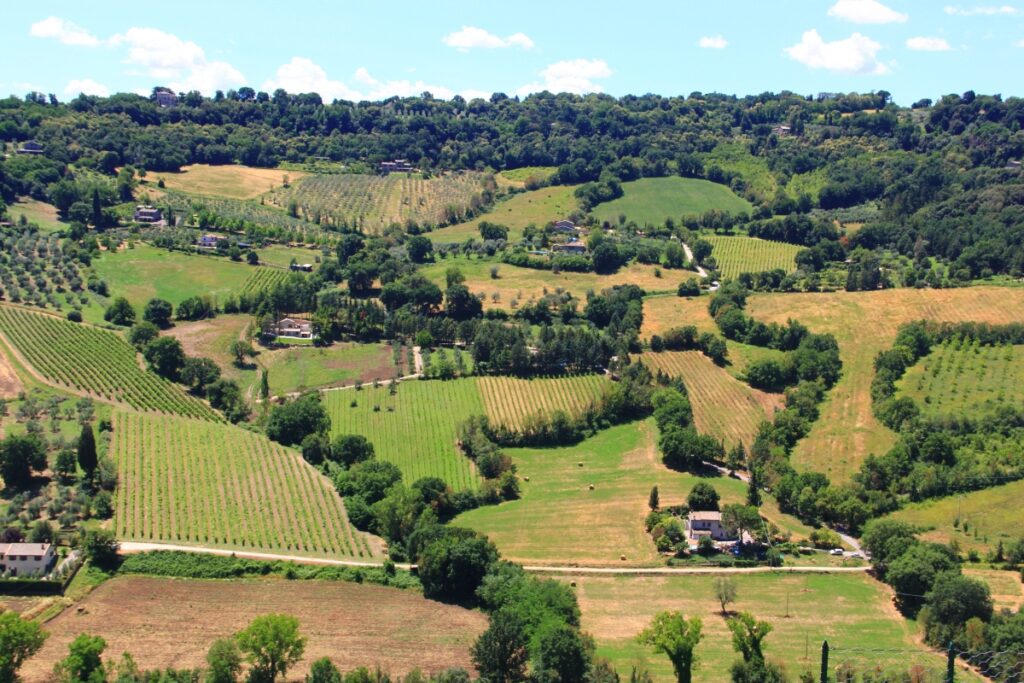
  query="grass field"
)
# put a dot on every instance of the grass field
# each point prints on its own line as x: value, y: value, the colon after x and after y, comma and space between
x: 281, y: 255
x: 301, y: 368
x: 189, y: 482
x: 1007, y: 589
x: 739, y: 254
x: 42, y: 214
x: 86, y: 359
x: 990, y: 515
x: 374, y: 202
x: 172, y: 622
x: 538, y: 207
x: 649, y: 201
x: 517, y: 177
x: 507, y: 400
x: 415, y: 428
x: 145, y: 272
x: 234, y: 182
x: 560, y: 520
x: 865, y: 323
x: 962, y: 377
x: 723, y: 406
x: 528, y: 284
x: 851, y: 611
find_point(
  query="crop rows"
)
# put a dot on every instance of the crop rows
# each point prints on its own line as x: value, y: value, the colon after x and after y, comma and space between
x: 95, y: 361
x: 373, y: 202
x: 737, y: 254
x: 509, y: 400
x: 237, y: 214
x: 722, y: 405
x: 415, y: 428
x: 262, y: 279
x: 961, y: 376
x: 191, y: 482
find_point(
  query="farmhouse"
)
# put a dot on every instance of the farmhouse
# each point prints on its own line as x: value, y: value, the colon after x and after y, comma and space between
x: 564, y: 227
x: 396, y: 166
x: 293, y: 327
x: 147, y: 214
x: 304, y: 267
x: 30, y: 147
x: 26, y: 559
x: 782, y: 130
x: 706, y: 523
x: 165, y: 97
x: 208, y: 241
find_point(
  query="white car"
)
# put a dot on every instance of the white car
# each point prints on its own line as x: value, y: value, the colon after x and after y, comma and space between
x: 838, y: 552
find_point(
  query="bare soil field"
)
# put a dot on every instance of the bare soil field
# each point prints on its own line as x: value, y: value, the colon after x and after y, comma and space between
x: 10, y: 383
x: 171, y: 623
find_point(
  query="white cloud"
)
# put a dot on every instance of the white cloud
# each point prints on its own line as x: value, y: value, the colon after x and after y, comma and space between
x: 573, y: 76
x: 1019, y: 43
x: 87, y: 86
x: 926, y: 44
x: 64, y: 31
x: 180, y: 64
x: 470, y: 37
x: 302, y: 75
x: 713, y: 42
x: 982, y: 11
x: 854, y: 55
x: 866, y: 12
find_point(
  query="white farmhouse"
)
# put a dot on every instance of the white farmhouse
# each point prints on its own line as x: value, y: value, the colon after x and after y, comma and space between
x: 26, y: 559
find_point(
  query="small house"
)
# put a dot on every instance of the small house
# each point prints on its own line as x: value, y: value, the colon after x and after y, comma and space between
x: 564, y: 227
x: 302, y: 267
x: 706, y: 523
x: 165, y: 97
x: 147, y: 214
x: 782, y: 131
x: 396, y: 166
x: 30, y: 147
x: 26, y: 559
x: 296, y: 328
x: 208, y: 241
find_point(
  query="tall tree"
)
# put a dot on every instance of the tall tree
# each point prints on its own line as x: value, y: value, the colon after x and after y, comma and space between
x: 748, y: 636
x: 652, y: 500
x: 19, y: 455
x: 87, y: 458
x: 676, y: 637
x: 272, y: 645
x: 725, y: 591
x: 19, y: 640
x: 500, y: 653
x: 84, y: 663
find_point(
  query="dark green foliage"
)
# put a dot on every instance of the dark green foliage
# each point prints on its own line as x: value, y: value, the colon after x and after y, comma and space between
x: 500, y: 653
x: 120, y: 312
x: 99, y: 547
x: 19, y: 457
x: 165, y: 356
x: 142, y: 334
x: 703, y: 496
x: 453, y: 566
x: 198, y: 373
x: 158, y: 312
x: 291, y: 422
x: 84, y: 662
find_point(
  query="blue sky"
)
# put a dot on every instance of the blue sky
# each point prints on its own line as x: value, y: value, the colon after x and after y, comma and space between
x: 371, y: 50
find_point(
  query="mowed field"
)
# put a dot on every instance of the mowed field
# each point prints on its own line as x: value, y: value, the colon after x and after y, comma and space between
x: 539, y: 207
x: 171, y: 623
x: 649, y: 201
x: 306, y: 367
x: 87, y: 360
x: 865, y: 323
x: 851, y: 611
x: 737, y: 254
x: 233, y: 182
x: 990, y: 516
x: 524, y: 285
x: 374, y: 202
x: 559, y: 520
x: 145, y: 272
x: 723, y: 406
x: 1007, y: 589
x: 963, y: 377
x: 42, y: 214
x: 194, y: 483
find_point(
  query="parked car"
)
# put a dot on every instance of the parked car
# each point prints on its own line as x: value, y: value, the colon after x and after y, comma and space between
x: 838, y: 552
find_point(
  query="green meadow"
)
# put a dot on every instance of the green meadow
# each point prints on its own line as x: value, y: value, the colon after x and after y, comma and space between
x: 652, y: 200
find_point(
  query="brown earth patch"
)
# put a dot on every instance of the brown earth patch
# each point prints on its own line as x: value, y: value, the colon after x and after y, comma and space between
x: 172, y: 622
x: 10, y: 383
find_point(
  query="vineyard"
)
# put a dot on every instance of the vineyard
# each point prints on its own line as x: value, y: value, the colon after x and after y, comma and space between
x: 415, y: 428
x: 723, y: 406
x: 262, y: 279
x: 237, y: 214
x: 373, y: 202
x: 737, y: 254
x: 961, y: 376
x: 509, y: 400
x: 183, y: 481
x: 98, y: 362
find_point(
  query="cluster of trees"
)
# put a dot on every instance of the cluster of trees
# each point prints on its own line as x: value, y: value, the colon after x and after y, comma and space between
x: 686, y: 338
x: 682, y: 448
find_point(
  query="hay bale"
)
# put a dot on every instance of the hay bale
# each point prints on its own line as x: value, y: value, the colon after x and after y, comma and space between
x: 591, y: 487
x: 526, y: 479
x: 580, y: 463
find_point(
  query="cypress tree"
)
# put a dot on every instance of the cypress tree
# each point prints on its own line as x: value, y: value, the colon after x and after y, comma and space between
x: 97, y: 209
x: 653, y: 501
x: 264, y: 385
x: 754, y: 487
x: 87, y: 459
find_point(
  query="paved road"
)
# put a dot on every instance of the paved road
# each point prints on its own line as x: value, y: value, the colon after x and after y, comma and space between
x: 128, y: 547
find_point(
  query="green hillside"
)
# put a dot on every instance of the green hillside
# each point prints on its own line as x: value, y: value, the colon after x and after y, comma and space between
x: 652, y: 200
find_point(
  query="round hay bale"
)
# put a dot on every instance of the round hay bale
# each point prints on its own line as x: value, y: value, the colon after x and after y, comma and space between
x: 526, y: 479
x: 622, y: 557
x: 572, y: 583
x: 591, y: 487
x: 580, y: 463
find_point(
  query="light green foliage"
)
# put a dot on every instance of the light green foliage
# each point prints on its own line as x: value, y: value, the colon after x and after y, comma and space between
x: 272, y: 644
x: 19, y: 640
x: 676, y: 637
